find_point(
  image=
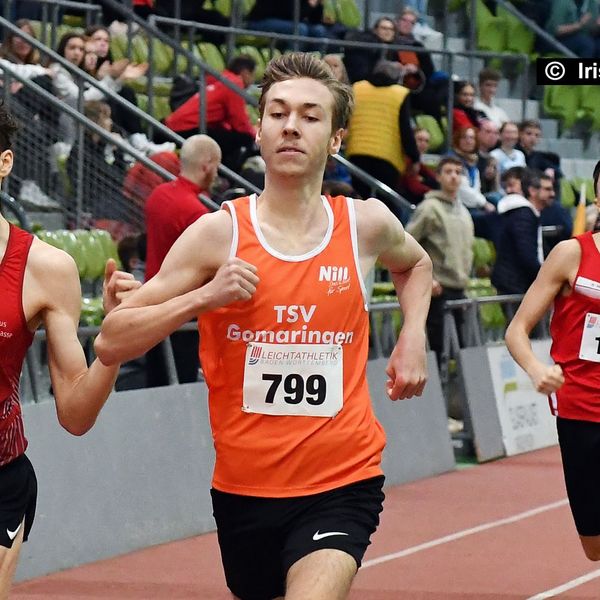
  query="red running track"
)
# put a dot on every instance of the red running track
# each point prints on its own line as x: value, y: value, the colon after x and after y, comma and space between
x: 497, y: 531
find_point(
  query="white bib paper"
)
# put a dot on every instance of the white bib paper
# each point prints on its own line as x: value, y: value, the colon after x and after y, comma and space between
x: 590, y: 339
x: 293, y: 379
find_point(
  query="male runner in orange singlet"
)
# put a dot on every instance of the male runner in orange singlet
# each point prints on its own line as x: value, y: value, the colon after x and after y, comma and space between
x: 569, y: 280
x: 278, y: 284
x: 39, y: 285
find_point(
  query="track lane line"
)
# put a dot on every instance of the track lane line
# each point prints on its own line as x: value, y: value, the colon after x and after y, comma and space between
x: 566, y: 586
x: 464, y: 533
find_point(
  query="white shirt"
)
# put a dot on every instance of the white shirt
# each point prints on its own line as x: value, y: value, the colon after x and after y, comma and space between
x: 492, y: 111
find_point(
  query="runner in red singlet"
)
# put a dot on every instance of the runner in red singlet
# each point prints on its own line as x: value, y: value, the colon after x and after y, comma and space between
x: 39, y: 285
x: 277, y: 282
x: 570, y: 281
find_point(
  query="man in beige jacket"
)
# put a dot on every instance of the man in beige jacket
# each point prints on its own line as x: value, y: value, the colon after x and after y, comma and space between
x: 444, y: 227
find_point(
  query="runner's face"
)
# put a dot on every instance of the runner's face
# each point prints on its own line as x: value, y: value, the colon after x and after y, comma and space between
x: 295, y: 132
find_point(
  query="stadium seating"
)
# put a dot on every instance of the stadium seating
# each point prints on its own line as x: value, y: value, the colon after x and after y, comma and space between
x: 436, y: 134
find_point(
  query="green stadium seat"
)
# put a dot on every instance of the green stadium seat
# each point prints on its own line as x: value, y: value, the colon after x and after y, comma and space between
x: 118, y: 46
x: 567, y: 194
x: 160, y: 106
x: 490, y: 30
x: 590, y: 104
x: 224, y: 6
x: 162, y: 57
x: 211, y: 55
x: 563, y: 102
x: 435, y: 131
x: 348, y: 13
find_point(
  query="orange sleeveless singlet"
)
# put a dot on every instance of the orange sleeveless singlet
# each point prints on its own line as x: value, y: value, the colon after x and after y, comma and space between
x: 275, y: 364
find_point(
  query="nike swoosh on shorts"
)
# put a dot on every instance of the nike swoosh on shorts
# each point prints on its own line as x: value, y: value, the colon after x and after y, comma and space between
x: 13, y: 534
x: 319, y: 536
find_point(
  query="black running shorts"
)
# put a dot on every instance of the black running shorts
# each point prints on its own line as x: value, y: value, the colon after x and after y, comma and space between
x: 261, y: 538
x: 580, y: 450
x: 18, y: 495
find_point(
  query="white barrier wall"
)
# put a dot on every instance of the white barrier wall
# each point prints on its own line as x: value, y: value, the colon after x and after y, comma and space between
x: 142, y: 475
x: 508, y: 416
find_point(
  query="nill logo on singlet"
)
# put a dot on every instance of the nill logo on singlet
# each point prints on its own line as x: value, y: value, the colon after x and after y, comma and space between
x: 337, y: 277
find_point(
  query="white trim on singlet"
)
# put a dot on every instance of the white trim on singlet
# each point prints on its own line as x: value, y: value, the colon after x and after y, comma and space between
x: 236, y: 230
x: 354, y: 238
x: 299, y: 257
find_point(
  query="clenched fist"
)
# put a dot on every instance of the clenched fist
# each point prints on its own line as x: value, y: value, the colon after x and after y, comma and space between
x: 234, y: 281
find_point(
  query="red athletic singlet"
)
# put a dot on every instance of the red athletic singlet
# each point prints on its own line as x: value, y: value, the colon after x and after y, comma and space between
x: 575, y: 331
x: 286, y: 371
x: 15, y: 339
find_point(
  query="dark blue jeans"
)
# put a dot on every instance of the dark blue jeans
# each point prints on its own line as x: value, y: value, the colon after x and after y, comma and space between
x: 287, y: 27
x: 582, y: 44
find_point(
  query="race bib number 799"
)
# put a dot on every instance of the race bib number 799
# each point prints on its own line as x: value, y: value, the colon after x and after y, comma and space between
x: 293, y: 379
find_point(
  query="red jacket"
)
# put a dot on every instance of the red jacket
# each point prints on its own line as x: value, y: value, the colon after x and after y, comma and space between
x: 224, y: 108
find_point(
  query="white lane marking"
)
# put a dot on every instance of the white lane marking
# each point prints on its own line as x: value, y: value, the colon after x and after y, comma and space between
x: 566, y: 586
x: 464, y: 533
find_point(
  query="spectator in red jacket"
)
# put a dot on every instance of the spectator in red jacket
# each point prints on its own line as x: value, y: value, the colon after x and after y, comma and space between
x: 227, y: 120
x: 169, y: 210
x: 464, y: 115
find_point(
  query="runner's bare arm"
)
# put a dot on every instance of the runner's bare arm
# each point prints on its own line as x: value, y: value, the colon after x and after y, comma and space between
x: 557, y: 271
x: 80, y: 393
x: 196, y: 276
x: 381, y: 235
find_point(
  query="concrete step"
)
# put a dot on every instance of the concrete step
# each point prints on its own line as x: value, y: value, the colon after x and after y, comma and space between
x: 565, y: 148
x: 549, y: 128
x: 514, y: 108
x: 456, y: 44
x: 577, y: 167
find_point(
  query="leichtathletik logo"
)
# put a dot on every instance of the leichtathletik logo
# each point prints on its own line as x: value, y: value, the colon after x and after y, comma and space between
x: 255, y: 354
x: 592, y: 321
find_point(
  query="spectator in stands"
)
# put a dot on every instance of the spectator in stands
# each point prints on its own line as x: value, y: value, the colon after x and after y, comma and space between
x: 72, y: 47
x: 507, y: 155
x: 24, y: 59
x: 414, y: 186
x: 379, y: 133
x: 443, y: 226
x: 132, y: 254
x: 530, y: 133
x: 99, y: 63
x: 360, y: 62
x: 227, y: 120
x: 425, y: 34
x: 575, y: 23
x: 464, y: 113
x: 464, y: 147
x: 488, y: 86
x: 487, y: 140
x: 141, y: 180
x: 429, y: 87
x: 336, y: 64
x: 169, y: 210
x: 520, y: 250
x: 278, y: 17
x: 488, y: 135
x: 103, y: 170
x: 16, y: 50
